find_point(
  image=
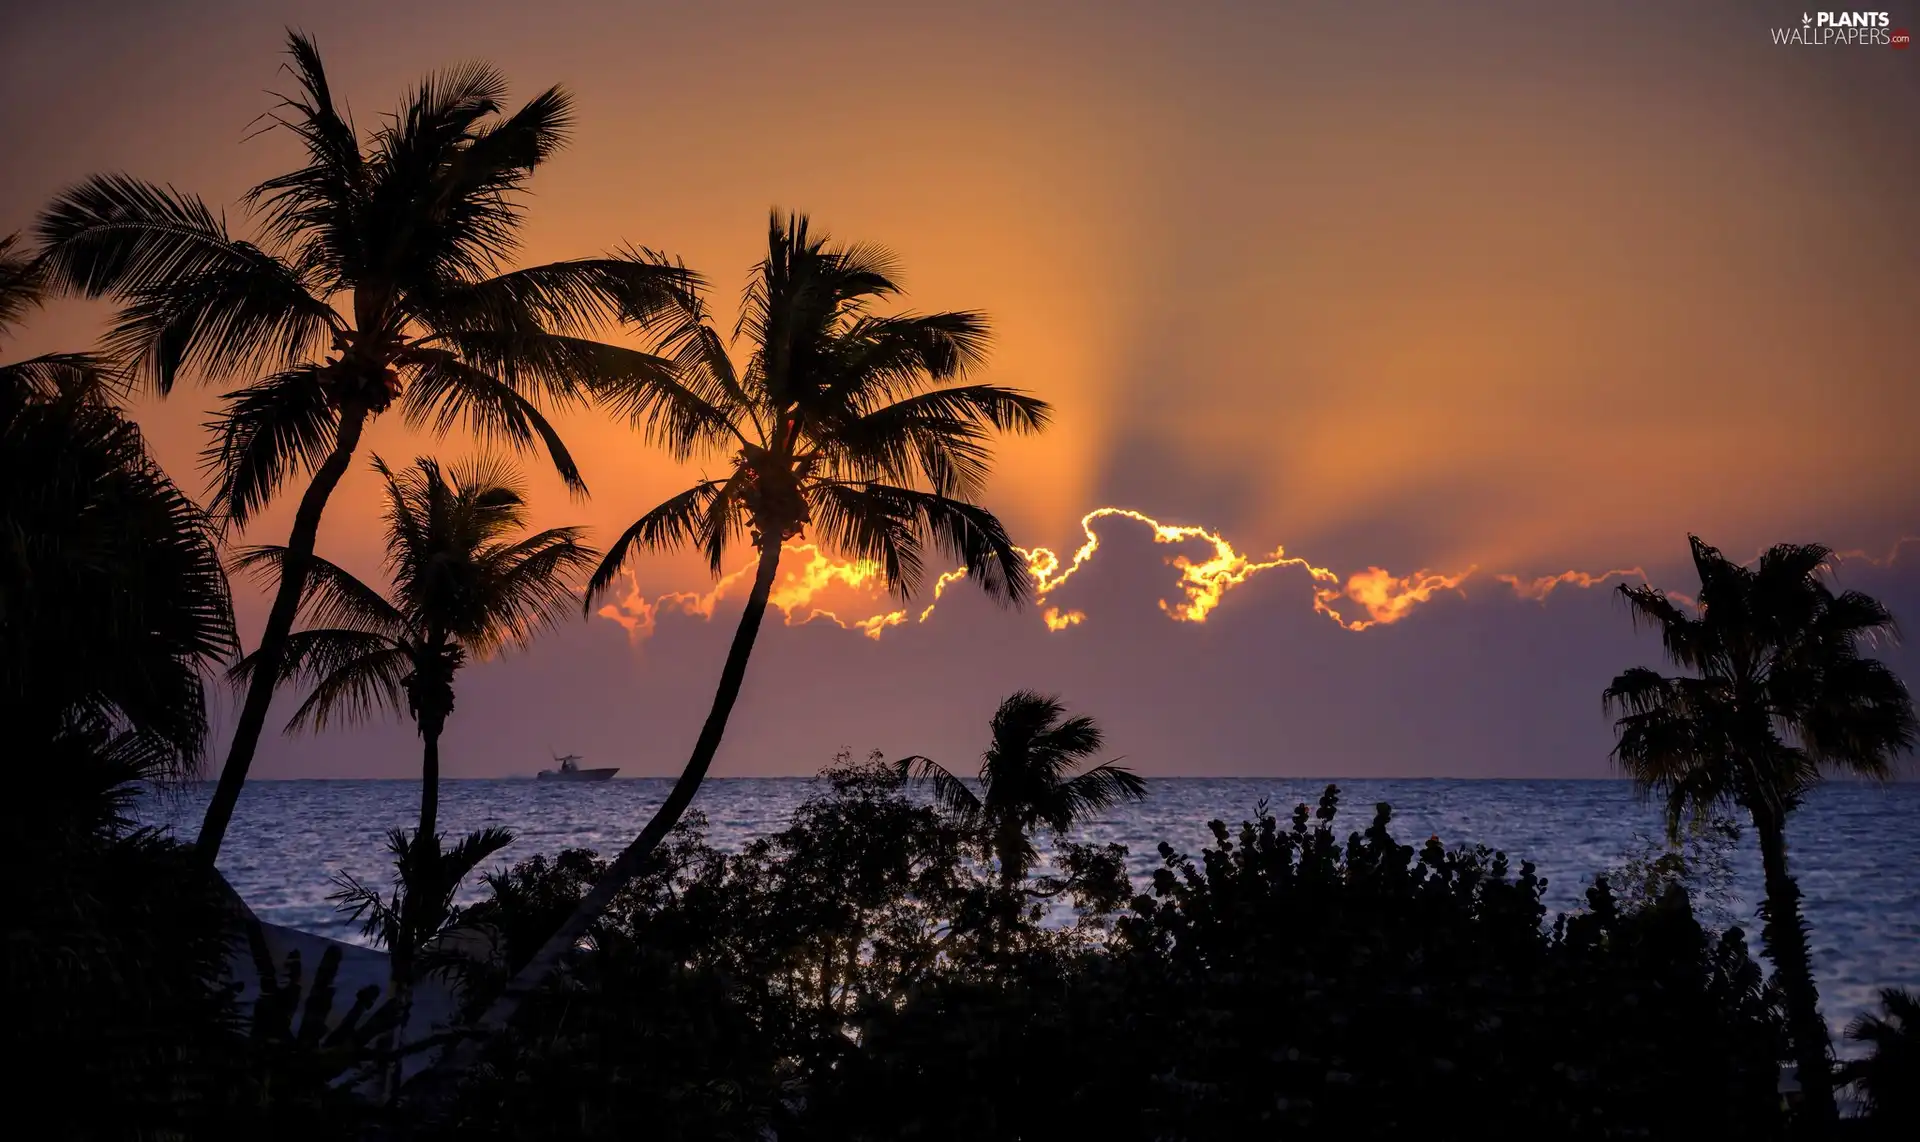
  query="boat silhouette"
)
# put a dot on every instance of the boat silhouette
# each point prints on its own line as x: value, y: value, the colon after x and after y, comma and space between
x: 570, y: 770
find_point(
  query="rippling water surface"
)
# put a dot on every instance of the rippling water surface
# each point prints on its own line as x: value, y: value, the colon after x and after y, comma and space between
x: 1855, y: 849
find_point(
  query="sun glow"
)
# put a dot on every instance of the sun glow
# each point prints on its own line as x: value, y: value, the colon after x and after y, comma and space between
x: 1362, y: 600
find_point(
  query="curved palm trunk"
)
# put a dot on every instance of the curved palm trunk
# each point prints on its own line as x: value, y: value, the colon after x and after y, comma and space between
x: 1785, y: 935
x: 273, y: 641
x: 430, y: 775
x: 624, y: 868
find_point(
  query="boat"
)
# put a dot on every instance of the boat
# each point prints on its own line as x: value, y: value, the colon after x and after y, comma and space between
x: 570, y: 771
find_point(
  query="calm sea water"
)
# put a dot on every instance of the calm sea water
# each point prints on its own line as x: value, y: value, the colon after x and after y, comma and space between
x: 1855, y: 849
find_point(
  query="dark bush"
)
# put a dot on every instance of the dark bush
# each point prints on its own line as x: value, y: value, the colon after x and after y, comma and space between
x: 852, y: 978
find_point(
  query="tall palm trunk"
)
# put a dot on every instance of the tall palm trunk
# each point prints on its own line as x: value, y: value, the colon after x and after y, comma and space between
x: 1008, y: 839
x: 623, y: 869
x: 430, y: 727
x: 1785, y: 934
x: 273, y: 641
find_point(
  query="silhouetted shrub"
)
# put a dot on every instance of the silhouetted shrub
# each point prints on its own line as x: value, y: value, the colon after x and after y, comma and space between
x: 1888, y: 1076
x: 851, y: 977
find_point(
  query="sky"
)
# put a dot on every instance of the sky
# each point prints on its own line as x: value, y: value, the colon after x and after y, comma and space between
x: 1421, y: 295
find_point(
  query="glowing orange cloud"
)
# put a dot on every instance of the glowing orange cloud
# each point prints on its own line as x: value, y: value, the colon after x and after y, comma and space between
x: 1539, y: 589
x: 1387, y: 598
x: 1381, y: 597
x: 1055, y: 620
x: 1889, y: 559
x: 806, y: 572
x: 1203, y: 583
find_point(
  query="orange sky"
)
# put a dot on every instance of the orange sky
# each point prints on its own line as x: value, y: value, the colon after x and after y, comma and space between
x: 1515, y: 287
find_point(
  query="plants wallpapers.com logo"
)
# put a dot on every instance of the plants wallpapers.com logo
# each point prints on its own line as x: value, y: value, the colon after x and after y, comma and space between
x: 1843, y: 29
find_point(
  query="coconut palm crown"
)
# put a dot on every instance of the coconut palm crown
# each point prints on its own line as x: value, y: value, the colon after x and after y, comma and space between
x: 1027, y: 780
x: 467, y: 582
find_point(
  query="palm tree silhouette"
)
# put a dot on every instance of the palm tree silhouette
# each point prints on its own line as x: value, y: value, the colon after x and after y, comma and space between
x: 836, y: 417
x: 465, y: 584
x: 378, y: 279
x: 1887, y: 1076
x: 1027, y: 781
x: 417, y: 911
x: 1780, y: 692
x: 112, y: 599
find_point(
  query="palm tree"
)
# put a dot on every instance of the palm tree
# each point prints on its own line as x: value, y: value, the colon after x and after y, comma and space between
x: 112, y: 599
x: 836, y: 417
x: 1889, y: 1077
x: 1027, y: 781
x: 1779, y: 693
x: 417, y: 912
x: 377, y: 279
x: 465, y: 584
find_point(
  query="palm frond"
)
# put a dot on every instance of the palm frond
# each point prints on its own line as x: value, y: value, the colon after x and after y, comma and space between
x: 668, y: 527
x: 872, y: 525
x: 939, y: 435
x: 1097, y: 790
x: 446, y: 391
x: 950, y: 793
x: 333, y: 596
x: 1069, y: 741
x: 113, y: 597
x: 564, y: 370
x: 317, y: 209
x: 358, y: 688
x: 1853, y: 616
x: 378, y: 917
x: 674, y: 414
x: 322, y: 654
x: 469, y: 851
x: 23, y: 284
x: 530, y: 590
x: 64, y: 377
x: 724, y: 522
x: 115, y: 234
x: 683, y: 333
x: 243, y: 314
x: 270, y: 430
x: 1861, y: 718
x: 1681, y: 633
x: 890, y: 358
x: 570, y: 297
x: 444, y: 196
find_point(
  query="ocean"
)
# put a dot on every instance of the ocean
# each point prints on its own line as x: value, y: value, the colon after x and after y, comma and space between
x: 1855, y: 848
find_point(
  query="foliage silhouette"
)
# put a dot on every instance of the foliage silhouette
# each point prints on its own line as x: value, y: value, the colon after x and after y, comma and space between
x: 836, y: 417
x: 1780, y: 692
x: 112, y: 598
x: 829, y: 982
x: 1888, y: 1077
x: 116, y: 982
x: 297, y: 1043
x: 415, y: 915
x: 466, y: 583
x: 1027, y: 780
x: 50, y: 376
x: 377, y: 279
